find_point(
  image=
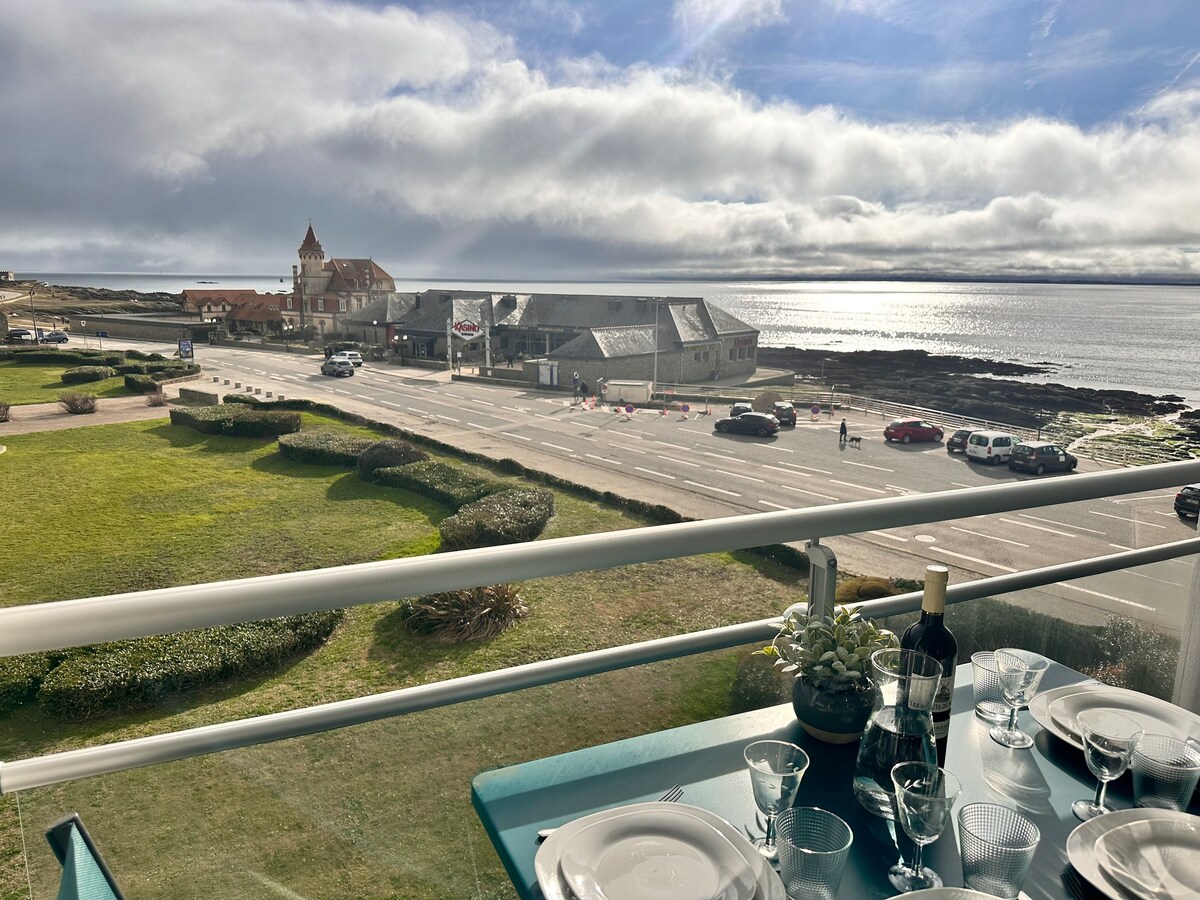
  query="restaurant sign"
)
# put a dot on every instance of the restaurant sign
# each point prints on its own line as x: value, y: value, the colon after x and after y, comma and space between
x: 468, y: 331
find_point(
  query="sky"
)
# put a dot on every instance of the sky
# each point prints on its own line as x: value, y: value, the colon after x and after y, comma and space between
x: 604, y: 139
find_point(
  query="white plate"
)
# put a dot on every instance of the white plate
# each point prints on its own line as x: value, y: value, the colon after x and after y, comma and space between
x: 1039, y: 708
x: 555, y: 887
x: 1081, y: 843
x: 659, y: 852
x: 1153, y: 715
x: 1153, y: 860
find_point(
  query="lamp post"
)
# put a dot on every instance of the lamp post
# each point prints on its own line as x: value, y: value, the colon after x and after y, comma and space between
x: 287, y: 337
x: 654, y: 377
x: 83, y: 328
x: 33, y: 315
x: 375, y: 325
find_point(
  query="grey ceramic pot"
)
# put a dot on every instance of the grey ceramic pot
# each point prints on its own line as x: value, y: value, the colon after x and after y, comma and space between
x: 836, y: 718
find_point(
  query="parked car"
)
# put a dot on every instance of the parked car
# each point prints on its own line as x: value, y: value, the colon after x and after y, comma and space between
x: 992, y: 447
x: 784, y: 412
x: 740, y: 407
x: 957, y: 442
x: 335, y: 366
x: 1039, y: 457
x: 20, y: 334
x: 352, y: 356
x: 1187, y: 502
x: 907, y: 430
x: 758, y: 423
x: 54, y: 337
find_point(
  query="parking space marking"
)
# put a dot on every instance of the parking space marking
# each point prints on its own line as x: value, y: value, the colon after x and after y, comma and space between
x: 652, y: 472
x: 736, y: 475
x: 681, y: 462
x: 861, y: 487
x: 1038, y: 528
x: 1159, y: 512
x: 709, y: 487
x: 519, y: 437
x: 808, y: 468
x: 726, y: 458
x: 796, y: 490
x: 604, y: 459
x: 894, y: 537
x: 1123, y: 519
x: 556, y: 447
x: 1061, y: 524
x: 1152, y: 578
x: 990, y: 537
x: 846, y: 462
x: 1137, y: 499
x: 982, y: 562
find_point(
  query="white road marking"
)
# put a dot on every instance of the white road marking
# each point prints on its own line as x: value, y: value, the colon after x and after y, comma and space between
x: 1123, y: 519
x: 652, y: 472
x: 515, y: 408
x: 1082, y: 590
x: 543, y: 416
x: 846, y: 462
x: 861, y: 487
x: 736, y: 475
x: 796, y: 490
x: 364, y: 397
x: 456, y: 396
x: 581, y: 424
x: 1167, y: 515
x: 447, y: 418
x: 1038, y: 527
x: 726, y: 458
x: 708, y: 487
x: 477, y: 425
x: 630, y: 449
x: 694, y: 431
x: 340, y: 391
x: 896, y: 487
x: 1061, y: 524
x: 414, y: 409
x: 485, y: 402
x: 556, y: 447
x: 603, y: 459
x: 519, y: 437
x: 990, y: 537
x: 982, y: 562
x: 673, y: 446
x: 894, y: 537
x: 1120, y: 547
x: 780, y: 449
x: 1152, y: 578
x: 774, y: 505
x: 960, y: 484
x: 390, y: 403
x: 681, y: 462
x: 808, y: 468
x: 1137, y: 499
x: 780, y: 471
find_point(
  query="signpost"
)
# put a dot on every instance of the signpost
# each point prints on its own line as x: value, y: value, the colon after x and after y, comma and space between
x: 185, y: 349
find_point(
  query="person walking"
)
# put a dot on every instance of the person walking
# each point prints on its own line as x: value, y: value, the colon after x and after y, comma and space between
x: 583, y: 392
x: 842, y: 433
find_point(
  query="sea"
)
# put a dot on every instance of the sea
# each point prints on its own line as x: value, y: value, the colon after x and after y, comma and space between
x: 1135, y: 337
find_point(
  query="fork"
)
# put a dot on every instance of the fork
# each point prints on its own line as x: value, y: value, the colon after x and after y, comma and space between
x: 669, y: 797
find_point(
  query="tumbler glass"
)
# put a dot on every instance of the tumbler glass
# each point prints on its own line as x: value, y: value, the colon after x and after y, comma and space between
x: 989, y: 697
x: 813, y: 848
x: 1165, y: 771
x: 997, y: 847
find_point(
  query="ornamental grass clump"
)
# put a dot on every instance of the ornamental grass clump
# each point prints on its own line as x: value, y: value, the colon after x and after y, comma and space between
x: 76, y: 403
x: 833, y: 653
x: 471, y: 614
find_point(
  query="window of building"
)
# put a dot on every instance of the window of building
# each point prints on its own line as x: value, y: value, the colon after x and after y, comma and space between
x: 741, y: 352
x: 289, y: 302
x: 341, y: 305
x: 696, y: 357
x: 706, y: 356
x: 732, y: 354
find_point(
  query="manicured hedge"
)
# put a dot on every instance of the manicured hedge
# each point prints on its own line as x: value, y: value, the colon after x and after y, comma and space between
x: 323, y: 448
x: 235, y: 421
x: 69, y: 357
x: 509, y: 517
x: 81, y: 374
x: 446, y: 484
x: 146, y: 384
x: 138, y: 354
x: 131, y: 369
x: 133, y: 673
x: 20, y: 678
x: 387, y: 454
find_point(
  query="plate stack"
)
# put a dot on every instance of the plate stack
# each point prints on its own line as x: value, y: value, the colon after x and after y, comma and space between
x: 1057, y: 710
x: 1139, y: 854
x: 653, y: 850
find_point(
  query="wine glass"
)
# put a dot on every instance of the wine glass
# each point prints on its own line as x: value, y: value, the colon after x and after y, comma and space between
x: 925, y: 794
x: 1020, y: 672
x: 776, y: 768
x: 1108, y: 741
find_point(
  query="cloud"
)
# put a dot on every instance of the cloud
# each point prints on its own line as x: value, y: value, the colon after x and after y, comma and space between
x: 703, y: 19
x: 192, y: 137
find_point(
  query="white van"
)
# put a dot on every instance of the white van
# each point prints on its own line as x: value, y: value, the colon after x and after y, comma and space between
x: 351, y: 356
x: 992, y: 447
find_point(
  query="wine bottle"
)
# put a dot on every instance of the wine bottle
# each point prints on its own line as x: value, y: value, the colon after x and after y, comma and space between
x: 930, y: 635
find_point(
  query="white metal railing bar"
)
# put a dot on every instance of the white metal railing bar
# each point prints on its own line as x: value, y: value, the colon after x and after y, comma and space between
x: 67, y: 623
x: 107, y: 758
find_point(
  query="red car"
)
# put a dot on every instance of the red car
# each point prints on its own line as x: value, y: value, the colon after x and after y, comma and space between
x: 907, y: 430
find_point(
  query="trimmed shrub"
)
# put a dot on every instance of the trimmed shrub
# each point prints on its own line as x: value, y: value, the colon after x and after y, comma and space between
x: 508, y: 517
x: 121, y: 674
x: 323, y: 448
x: 446, y: 484
x: 20, y: 678
x: 77, y: 404
x: 236, y: 421
x: 387, y: 454
x: 471, y: 614
x: 6, y: 353
x: 247, y: 399
x: 82, y: 374
x: 5, y: 410
x: 131, y: 369
x: 140, y: 384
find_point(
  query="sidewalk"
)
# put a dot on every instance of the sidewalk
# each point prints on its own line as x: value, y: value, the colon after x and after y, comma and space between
x: 109, y: 411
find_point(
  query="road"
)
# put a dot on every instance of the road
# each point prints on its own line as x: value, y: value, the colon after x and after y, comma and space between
x: 681, y: 462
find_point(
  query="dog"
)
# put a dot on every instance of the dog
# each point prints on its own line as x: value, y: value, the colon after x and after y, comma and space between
x: 855, y: 442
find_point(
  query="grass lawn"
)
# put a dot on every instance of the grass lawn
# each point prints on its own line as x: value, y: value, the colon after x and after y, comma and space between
x: 377, y: 810
x: 22, y: 383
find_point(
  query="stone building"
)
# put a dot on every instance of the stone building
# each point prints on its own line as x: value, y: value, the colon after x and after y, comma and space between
x: 325, y: 293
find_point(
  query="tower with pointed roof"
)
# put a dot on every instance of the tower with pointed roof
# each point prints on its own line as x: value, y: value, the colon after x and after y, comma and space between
x: 310, y: 283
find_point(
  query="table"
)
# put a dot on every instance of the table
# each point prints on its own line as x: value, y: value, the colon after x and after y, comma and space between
x: 706, y: 759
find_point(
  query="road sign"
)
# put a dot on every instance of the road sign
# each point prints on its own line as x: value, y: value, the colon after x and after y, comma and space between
x: 101, y: 334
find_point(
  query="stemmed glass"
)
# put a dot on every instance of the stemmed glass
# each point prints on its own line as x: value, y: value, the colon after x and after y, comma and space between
x: 1020, y: 672
x: 1109, y: 739
x: 776, y: 768
x: 925, y: 795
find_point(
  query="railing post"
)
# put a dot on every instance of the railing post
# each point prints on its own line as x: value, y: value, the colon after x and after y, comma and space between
x: 822, y: 578
x: 1187, y: 672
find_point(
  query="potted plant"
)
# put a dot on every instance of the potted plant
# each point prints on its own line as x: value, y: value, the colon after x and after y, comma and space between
x: 831, y: 658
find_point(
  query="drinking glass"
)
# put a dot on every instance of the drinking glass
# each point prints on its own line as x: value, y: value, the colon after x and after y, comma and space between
x: 997, y: 847
x: 1020, y: 672
x: 813, y: 848
x: 1108, y: 742
x: 985, y: 685
x: 776, y: 768
x: 925, y: 794
x: 1165, y: 771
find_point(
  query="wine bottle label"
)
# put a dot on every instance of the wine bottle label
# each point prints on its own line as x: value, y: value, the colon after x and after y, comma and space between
x: 941, y: 706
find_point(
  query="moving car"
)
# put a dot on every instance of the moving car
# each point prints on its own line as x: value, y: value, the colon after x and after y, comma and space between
x: 957, y: 442
x: 784, y: 412
x: 748, y: 423
x: 54, y: 337
x: 908, y: 430
x: 740, y: 407
x: 992, y: 447
x: 1187, y: 502
x: 1039, y: 457
x: 335, y: 366
x: 351, y: 356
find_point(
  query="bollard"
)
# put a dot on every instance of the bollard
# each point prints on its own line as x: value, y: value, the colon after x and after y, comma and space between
x: 236, y: 384
x: 281, y: 397
x: 227, y: 381
x: 258, y: 390
x: 217, y: 378
x: 268, y: 393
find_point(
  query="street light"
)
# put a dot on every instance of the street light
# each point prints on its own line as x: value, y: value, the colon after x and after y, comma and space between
x: 375, y: 325
x: 287, y: 337
x: 33, y: 315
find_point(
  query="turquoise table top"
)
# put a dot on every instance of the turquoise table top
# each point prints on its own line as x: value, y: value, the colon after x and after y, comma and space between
x: 706, y: 759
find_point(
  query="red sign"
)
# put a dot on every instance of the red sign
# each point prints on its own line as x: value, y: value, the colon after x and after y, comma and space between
x: 465, y: 330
